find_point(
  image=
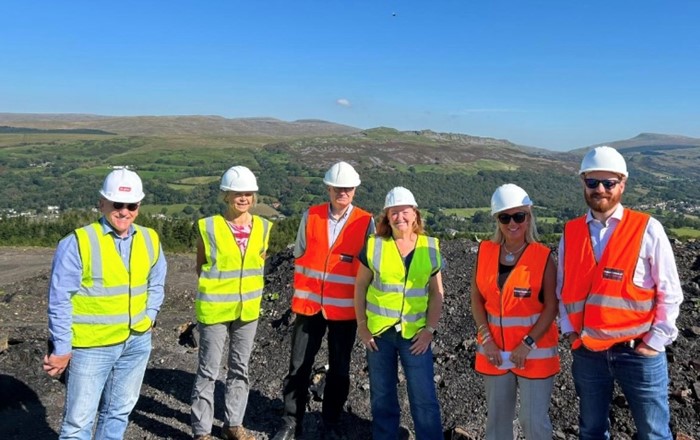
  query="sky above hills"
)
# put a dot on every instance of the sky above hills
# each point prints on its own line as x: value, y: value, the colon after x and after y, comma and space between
x: 553, y: 74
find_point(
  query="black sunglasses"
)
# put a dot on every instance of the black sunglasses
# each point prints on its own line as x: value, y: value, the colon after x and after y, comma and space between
x: 130, y: 206
x: 607, y: 183
x: 518, y: 217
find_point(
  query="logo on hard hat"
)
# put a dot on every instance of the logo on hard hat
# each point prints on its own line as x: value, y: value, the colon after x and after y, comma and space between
x: 125, y: 189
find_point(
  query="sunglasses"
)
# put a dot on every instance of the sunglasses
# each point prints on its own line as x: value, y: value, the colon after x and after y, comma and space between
x: 339, y: 190
x: 607, y: 183
x: 130, y: 206
x: 518, y: 217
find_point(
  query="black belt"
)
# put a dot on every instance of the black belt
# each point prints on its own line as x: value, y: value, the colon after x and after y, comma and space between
x: 632, y: 343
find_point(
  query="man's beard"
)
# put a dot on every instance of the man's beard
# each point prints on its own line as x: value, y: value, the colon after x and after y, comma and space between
x: 602, y: 203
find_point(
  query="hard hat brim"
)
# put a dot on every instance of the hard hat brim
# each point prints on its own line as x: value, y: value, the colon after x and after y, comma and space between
x: 121, y: 198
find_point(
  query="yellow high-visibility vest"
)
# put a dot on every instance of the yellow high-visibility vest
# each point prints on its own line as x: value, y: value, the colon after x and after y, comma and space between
x: 111, y: 301
x: 231, y: 283
x: 396, y: 296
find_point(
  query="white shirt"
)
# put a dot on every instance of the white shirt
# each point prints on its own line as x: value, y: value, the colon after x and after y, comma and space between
x: 656, y: 269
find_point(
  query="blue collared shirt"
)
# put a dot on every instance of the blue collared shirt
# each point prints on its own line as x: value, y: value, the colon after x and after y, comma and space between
x: 67, y: 272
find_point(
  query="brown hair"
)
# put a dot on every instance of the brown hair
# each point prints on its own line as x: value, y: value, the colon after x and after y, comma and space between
x: 384, y: 228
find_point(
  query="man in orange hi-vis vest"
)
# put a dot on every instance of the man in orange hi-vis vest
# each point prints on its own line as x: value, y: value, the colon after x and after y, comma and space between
x: 330, y: 238
x: 620, y: 297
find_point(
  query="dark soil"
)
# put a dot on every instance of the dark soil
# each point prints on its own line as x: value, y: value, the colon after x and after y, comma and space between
x: 31, y: 402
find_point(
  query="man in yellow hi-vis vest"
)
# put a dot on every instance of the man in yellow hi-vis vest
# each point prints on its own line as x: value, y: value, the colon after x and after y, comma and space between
x: 105, y: 291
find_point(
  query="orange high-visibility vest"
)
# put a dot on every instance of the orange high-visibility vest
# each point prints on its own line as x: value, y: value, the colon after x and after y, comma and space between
x: 603, y: 304
x: 512, y: 311
x: 324, y: 277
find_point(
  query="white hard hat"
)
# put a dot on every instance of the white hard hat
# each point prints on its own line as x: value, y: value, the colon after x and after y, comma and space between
x: 122, y: 185
x: 342, y: 175
x: 604, y: 159
x: 508, y: 196
x: 238, y: 178
x: 399, y: 196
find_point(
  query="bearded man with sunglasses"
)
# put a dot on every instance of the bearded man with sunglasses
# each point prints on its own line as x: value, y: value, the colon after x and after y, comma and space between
x: 105, y: 291
x: 620, y: 297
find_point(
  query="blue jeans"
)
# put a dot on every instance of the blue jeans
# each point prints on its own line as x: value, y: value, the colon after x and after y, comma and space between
x: 383, y: 379
x: 105, y: 381
x: 643, y: 379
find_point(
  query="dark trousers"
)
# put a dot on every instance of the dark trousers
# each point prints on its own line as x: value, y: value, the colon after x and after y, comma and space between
x: 306, y: 340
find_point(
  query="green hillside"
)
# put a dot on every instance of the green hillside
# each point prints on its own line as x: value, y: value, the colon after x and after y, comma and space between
x: 451, y: 175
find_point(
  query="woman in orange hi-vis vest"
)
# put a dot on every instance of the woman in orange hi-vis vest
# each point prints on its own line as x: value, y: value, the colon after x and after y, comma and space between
x: 514, y: 304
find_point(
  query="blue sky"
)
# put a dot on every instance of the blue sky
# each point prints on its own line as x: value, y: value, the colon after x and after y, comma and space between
x: 554, y: 74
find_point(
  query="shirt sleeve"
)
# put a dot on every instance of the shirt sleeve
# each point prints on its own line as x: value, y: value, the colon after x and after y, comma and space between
x: 156, y: 286
x: 363, y: 256
x: 371, y: 228
x: 300, y: 244
x: 669, y: 294
x: 66, y: 274
x: 564, y: 323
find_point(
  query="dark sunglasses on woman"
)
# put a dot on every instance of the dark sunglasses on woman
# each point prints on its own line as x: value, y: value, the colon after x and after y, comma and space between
x: 518, y: 217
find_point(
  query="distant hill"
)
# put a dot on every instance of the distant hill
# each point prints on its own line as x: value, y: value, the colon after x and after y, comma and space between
x: 645, y: 142
x: 177, y: 125
x: 661, y: 155
x: 387, y: 148
x: 26, y: 130
x: 290, y: 157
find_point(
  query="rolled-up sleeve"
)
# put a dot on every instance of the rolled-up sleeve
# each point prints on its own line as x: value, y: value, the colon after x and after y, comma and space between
x: 156, y: 286
x: 66, y: 274
x: 300, y: 243
x: 669, y: 294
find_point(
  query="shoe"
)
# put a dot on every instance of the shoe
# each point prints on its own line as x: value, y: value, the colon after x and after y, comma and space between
x: 203, y: 437
x: 237, y: 433
x: 287, y: 432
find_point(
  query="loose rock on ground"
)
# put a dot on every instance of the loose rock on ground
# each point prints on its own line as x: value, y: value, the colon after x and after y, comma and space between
x: 31, y: 402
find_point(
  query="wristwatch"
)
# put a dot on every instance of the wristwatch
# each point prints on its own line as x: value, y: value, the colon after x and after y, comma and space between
x: 431, y: 330
x: 527, y: 339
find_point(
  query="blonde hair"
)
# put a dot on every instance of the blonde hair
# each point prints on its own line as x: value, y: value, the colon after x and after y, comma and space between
x: 384, y: 227
x: 531, y: 235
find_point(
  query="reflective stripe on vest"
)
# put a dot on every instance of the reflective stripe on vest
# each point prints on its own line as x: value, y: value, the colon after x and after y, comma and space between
x: 602, y: 302
x: 395, y: 296
x: 111, y: 300
x: 513, y: 310
x: 324, y: 276
x: 231, y: 284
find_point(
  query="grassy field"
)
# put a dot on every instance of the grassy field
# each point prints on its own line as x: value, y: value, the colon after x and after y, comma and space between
x: 170, y: 210
x: 686, y: 232
x: 468, y: 168
x: 464, y: 212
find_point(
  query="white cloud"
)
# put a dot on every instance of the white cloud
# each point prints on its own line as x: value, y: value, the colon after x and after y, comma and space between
x: 343, y: 102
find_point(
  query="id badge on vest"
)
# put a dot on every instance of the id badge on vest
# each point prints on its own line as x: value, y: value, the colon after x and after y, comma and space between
x: 613, y: 274
x: 522, y: 292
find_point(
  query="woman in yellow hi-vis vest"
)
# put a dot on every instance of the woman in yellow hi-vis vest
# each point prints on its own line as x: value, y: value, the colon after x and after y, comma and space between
x: 514, y: 305
x: 398, y: 302
x: 231, y: 254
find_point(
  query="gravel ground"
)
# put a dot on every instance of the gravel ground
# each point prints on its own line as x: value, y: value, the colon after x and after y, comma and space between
x: 31, y: 402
